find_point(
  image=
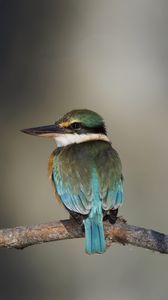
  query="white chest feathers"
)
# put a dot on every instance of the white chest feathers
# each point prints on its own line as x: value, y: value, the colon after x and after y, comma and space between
x: 63, y: 140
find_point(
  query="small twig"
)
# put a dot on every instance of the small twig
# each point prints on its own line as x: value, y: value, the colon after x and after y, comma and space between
x: 24, y: 236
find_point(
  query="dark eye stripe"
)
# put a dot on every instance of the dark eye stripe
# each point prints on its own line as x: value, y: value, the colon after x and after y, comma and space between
x: 75, y: 125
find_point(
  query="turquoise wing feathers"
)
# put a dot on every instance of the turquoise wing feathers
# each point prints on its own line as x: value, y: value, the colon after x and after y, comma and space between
x: 71, y: 183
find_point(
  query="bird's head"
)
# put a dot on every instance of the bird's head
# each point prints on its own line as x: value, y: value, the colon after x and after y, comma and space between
x: 74, y: 127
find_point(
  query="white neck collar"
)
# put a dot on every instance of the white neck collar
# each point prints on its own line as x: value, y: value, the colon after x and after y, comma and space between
x: 69, y: 138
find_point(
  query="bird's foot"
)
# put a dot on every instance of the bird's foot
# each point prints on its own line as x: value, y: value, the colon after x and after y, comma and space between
x: 121, y: 219
x: 113, y: 215
x: 76, y: 217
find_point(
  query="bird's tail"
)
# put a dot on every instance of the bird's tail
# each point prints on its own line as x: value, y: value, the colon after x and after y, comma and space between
x: 94, y: 236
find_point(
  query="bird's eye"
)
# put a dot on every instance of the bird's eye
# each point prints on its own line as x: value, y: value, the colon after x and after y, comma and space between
x: 75, y: 125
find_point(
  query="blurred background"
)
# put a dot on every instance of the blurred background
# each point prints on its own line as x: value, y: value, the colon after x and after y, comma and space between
x: 111, y: 57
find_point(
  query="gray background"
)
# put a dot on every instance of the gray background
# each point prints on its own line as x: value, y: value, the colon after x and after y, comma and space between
x: 109, y: 56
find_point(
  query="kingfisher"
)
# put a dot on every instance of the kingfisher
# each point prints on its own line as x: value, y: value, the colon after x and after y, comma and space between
x: 86, y: 172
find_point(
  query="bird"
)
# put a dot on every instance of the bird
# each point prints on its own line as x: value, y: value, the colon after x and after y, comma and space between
x: 86, y: 172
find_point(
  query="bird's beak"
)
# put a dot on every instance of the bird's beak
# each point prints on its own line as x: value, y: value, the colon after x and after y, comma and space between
x: 45, y: 131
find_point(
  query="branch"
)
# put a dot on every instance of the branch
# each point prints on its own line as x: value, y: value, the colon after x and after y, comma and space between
x: 24, y: 236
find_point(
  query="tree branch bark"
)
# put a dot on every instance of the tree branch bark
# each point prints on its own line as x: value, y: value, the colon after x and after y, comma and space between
x: 24, y: 236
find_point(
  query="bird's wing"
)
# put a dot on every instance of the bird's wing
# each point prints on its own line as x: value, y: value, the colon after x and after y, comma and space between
x: 110, y: 177
x: 71, y: 177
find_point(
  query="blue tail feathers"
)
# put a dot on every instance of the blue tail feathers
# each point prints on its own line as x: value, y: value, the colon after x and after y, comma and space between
x: 94, y: 230
x: 94, y: 236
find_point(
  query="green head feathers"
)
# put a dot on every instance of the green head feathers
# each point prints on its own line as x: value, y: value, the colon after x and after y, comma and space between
x: 84, y: 116
x: 85, y: 119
